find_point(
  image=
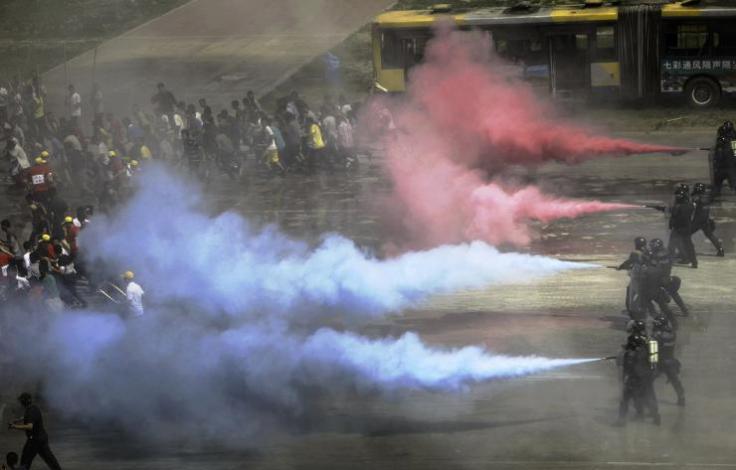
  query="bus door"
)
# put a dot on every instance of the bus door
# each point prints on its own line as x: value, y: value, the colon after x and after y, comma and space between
x: 569, y: 64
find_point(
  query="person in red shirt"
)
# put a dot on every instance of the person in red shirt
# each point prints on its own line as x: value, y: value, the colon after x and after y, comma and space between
x: 6, y: 257
x: 46, y: 248
x: 40, y: 179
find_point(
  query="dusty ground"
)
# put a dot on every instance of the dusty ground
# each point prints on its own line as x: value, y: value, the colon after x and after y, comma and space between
x: 218, y: 49
x: 556, y: 420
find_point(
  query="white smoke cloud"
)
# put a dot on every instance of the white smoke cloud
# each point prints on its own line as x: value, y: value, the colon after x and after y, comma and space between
x: 259, y: 366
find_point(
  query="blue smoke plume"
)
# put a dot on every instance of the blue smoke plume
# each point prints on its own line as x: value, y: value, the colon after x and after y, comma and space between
x: 172, y: 372
x: 221, y: 263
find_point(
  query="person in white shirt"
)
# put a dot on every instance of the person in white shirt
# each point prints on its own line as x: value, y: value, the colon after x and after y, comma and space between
x: 134, y: 293
x: 75, y: 106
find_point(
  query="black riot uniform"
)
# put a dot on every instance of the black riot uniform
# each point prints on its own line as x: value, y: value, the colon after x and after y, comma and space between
x: 665, y: 336
x: 724, y: 158
x: 634, y: 265
x: 681, y: 243
x: 702, y: 219
x: 638, y: 377
x: 660, y: 270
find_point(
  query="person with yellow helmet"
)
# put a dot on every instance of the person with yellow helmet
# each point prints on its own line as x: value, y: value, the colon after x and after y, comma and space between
x: 71, y: 232
x: 40, y: 179
x: 46, y: 248
x: 134, y: 293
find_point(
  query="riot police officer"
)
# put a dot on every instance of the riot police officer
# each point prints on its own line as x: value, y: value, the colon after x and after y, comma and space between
x: 680, y: 224
x: 723, y: 158
x: 702, y: 219
x: 634, y: 264
x: 665, y: 336
x: 638, y: 376
x: 660, y: 271
x: 656, y: 275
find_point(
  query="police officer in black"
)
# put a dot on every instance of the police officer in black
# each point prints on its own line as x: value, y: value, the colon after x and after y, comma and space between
x: 660, y: 270
x: 702, y: 219
x: 665, y: 336
x: 638, y: 377
x: 681, y: 243
x: 37, y: 441
x: 724, y: 158
x: 633, y: 264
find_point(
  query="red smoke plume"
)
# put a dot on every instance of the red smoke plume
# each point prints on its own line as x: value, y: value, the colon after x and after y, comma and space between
x: 462, y: 116
x: 467, y: 92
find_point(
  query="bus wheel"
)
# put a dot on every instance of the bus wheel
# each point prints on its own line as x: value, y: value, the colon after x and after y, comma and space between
x: 702, y: 92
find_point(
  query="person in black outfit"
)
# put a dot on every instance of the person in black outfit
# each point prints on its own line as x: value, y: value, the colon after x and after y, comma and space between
x: 637, y: 379
x: 37, y: 441
x: 665, y: 336
x: 633, y: 265
x: 681, y: 243
x: 724, y: 158
x: 702, y: 219
x: 658, y: 283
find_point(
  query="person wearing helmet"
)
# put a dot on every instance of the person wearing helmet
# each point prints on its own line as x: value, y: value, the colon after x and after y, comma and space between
x: 45, y: 248
x: 658, y: 284
x: 71, y: 232
x: 680, y: 224
x: 702, y: 220
x: 633, y: 265
x: 723, y: 159
x: 134, y: 293
x: 37, y: 441
x: 666, y: 338
x: 637, y: 380
x: 40, y: 180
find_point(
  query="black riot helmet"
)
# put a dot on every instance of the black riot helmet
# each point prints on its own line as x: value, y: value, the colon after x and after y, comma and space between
x: 684, y: 187
x: 635, y: 341
x: 725, y: 129
x: 699, y: 188
x: 636, y: 327
x: 25, y: 399
x: 656, y: 244
x: 640, y: 243
x: 660, y: 322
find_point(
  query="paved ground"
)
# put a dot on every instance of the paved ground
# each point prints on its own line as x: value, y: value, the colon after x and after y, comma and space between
x: 214, y: 48
x: 557, y: 420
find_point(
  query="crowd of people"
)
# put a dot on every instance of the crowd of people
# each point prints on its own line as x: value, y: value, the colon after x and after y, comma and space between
x: 48, y: 158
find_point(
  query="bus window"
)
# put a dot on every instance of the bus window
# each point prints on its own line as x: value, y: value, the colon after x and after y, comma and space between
x: 413, y: 50
x: 581, y: 42
x: 605, y: 44
x: 390, y: 51
x: 724, y: 43
x: 687, y: 40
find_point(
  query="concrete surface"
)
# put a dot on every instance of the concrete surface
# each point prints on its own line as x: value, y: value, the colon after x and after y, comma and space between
x: 556, y: 420
x: 213, y: 48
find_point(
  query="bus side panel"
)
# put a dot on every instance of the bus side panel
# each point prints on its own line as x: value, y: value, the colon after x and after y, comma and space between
x: 605, y: 74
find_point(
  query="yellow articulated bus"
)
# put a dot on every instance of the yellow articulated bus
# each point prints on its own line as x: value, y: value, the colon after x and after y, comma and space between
x: 630, y: 51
